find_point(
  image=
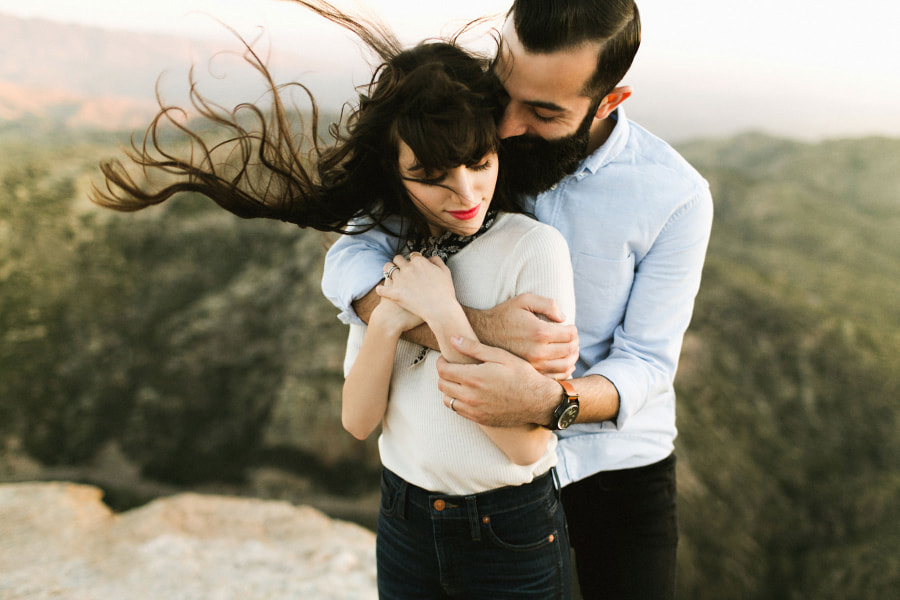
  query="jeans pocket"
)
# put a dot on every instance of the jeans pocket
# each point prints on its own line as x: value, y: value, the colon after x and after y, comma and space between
x: 528, y: 528
x: 390, y: 498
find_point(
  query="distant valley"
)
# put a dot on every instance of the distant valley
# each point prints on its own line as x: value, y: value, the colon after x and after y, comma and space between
x: 91, y: 78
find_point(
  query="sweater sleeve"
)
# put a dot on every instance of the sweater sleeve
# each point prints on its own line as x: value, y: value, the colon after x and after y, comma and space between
x: 541, y: 259
x: 354, y: 343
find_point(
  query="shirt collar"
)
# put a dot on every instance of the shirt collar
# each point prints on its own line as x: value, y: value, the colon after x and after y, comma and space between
x: 610, y: 149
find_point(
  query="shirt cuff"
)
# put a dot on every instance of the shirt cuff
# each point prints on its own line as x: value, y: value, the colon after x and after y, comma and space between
x: 345, y: 302
x: 631, y: 398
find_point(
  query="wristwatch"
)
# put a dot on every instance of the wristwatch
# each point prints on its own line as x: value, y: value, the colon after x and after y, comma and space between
x: 567, y: 411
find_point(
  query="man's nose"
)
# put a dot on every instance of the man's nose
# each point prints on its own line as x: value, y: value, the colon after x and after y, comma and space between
x: 513, y: 122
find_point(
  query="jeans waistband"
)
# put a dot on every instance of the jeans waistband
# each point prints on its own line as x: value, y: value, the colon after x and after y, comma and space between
x: 496, y: 501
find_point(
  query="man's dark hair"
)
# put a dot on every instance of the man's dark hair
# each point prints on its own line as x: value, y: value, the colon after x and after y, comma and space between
x: 545, y: 26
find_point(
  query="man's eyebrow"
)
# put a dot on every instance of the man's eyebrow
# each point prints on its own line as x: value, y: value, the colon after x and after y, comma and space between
x: 545, y: 105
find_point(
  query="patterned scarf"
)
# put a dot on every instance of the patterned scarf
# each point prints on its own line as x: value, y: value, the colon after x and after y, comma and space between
x: 448, y: 243
x: 445, y: 246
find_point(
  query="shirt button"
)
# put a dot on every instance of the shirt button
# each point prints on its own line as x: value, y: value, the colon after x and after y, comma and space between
x: 439, y: 505
x: 554, y: 186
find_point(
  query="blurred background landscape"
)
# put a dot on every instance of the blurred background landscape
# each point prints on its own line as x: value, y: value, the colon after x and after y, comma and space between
x: 184, y: 349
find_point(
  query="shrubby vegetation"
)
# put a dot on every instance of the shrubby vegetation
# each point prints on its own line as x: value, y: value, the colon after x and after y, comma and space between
x: 788, y: 391
x: 201, y: 346
x: 177, y: 332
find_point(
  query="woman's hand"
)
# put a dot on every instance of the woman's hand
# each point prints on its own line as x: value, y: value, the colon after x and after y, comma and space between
x: 422, y: 286
x: 393, y: 318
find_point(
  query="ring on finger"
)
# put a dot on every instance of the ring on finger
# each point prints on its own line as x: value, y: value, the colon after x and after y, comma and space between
x: 387, y: 274
x: 452, y: 400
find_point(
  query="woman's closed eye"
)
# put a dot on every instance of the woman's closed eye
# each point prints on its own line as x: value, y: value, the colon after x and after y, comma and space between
x: 482, y: 165
x: 434, y: 180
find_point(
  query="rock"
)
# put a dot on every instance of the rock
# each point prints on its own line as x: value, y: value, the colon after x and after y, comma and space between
x: 58, y: 540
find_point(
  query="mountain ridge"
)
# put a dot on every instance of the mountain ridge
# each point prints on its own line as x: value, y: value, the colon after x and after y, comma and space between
x: 88, y: 77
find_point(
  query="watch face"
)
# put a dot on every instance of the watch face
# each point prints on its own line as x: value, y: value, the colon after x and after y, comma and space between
x: 568, y: 417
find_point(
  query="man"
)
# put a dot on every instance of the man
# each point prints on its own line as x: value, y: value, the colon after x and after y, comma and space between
x: 637, y: 218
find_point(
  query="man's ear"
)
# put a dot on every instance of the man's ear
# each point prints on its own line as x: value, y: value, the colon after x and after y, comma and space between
x: 612, y: 101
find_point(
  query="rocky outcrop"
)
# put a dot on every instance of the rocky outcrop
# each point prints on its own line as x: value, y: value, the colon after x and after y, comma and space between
x: 58, y: 540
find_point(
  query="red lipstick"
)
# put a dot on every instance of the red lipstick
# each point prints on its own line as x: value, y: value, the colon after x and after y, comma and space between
x: 465, y: 215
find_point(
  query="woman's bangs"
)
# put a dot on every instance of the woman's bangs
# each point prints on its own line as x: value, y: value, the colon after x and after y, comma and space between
x: 439, y: 146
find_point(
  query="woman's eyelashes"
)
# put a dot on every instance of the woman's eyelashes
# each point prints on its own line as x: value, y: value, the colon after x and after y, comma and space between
x: 482, y: 165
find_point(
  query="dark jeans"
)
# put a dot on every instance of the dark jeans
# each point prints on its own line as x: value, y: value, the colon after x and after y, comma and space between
x: 624, y: 530
x: 505, y: 543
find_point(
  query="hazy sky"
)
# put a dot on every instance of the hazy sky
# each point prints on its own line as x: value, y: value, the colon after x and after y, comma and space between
x: 800, y: 68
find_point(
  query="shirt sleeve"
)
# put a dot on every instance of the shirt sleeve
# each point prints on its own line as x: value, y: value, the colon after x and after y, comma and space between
x: 353, y: 266
x: 646, y: 345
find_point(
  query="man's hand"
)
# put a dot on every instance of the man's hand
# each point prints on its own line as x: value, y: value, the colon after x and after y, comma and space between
x: 502, y: 390
x: 530, y: 327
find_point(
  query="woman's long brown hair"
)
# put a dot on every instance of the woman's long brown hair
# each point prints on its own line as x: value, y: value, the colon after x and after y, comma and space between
x: 436, y: 97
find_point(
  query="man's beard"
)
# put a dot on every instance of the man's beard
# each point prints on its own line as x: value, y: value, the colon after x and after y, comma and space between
x: 533, y: 165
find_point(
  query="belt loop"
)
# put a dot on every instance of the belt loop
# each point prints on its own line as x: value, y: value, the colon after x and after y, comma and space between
x: 474, y: 520
x: 401, y: 498
x: 556, y: 484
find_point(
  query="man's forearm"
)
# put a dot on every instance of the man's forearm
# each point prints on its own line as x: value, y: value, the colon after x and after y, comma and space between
x: 424, y: 336
x: 597, y: 397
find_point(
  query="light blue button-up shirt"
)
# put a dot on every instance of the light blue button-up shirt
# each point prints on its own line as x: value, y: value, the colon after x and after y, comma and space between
x: 637, y: 218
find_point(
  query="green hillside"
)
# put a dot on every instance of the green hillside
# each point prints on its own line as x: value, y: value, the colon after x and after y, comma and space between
x: 198, y: 346
x: 788, y: 411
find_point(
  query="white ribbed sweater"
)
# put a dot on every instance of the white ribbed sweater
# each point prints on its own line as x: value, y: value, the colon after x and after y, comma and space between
x: 424, y: 442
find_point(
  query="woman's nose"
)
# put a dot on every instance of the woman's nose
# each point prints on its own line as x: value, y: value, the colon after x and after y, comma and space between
x: 461, y: 184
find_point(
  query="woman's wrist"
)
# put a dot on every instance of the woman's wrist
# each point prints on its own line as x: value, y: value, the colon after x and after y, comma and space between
x: 452, y: 323
x: 382, y: 327
x: 449, y: 318
x: 446, y: 311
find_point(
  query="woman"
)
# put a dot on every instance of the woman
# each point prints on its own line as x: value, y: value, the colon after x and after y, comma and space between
x: 466, y: 511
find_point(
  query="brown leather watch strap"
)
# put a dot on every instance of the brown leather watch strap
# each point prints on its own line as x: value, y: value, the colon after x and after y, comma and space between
x: 568, y: 388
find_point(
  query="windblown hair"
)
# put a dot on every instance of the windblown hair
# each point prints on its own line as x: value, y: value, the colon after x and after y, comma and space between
x: 545, y: 27
x: 436, y: 97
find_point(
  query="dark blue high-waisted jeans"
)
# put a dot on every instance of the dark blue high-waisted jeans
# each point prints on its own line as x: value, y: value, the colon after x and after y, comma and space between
x: 502, y: 544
